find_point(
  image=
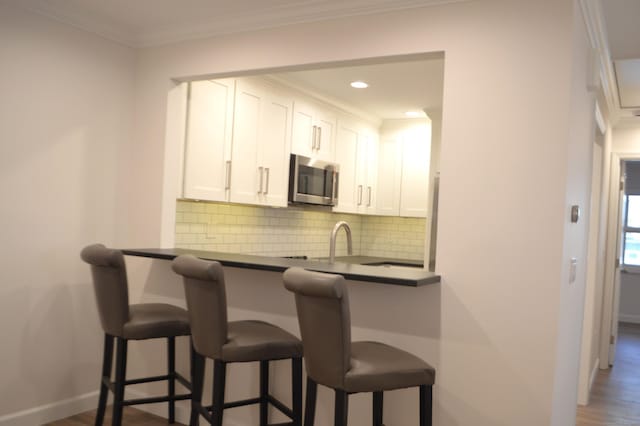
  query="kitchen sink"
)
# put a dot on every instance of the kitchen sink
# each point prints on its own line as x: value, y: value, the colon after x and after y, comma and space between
x: 395, y: 264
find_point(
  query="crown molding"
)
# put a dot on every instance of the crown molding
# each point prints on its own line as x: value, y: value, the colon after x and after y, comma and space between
x: 223, y: 24
x: 597, y: 32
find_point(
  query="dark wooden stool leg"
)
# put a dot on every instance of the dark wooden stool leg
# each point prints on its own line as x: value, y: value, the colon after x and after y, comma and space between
x: 341, y: 408
x: 264, y: 393
x: 219, y: 378
x: 426, y: 405
x: 296, y: 390
x: 310, y: 405
x: 377, y: 408
x: 107, y: 361
x: 171, y: 371
x: 121, y: 373
x: 197, y: 380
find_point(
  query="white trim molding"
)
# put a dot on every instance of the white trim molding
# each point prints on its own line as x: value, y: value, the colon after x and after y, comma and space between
x: 51, y: 412
x: 597, y: 31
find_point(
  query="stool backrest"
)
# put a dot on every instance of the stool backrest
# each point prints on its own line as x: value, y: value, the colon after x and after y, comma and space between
x: 110, y: 286
x: 322, y: 303
x: 206, y: 297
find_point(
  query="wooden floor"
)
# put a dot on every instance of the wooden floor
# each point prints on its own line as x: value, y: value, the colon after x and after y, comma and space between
x: 131, y: 417
x: 615, y: 397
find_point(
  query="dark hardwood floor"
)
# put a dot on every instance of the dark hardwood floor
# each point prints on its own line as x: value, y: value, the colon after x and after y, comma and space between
x: 615, y: 397
x: 131, y: 417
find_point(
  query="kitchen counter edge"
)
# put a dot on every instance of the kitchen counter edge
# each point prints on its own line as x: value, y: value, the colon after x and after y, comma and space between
x: 345, y: 266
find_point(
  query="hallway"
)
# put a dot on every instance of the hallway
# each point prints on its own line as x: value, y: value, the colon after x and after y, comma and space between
x: 615, y: 397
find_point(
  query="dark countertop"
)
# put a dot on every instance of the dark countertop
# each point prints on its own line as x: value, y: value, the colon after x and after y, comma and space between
x: 351, y: 267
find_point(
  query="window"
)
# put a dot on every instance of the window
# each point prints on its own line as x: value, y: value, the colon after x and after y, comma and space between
x: 631, y: 214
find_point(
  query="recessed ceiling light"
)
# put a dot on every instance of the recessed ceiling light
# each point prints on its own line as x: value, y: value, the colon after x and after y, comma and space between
x: 413, y: 114
x: 359, y: 84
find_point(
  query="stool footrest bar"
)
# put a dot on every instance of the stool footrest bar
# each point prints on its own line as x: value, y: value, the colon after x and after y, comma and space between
x: 155, y: 399
x: 280, y: 406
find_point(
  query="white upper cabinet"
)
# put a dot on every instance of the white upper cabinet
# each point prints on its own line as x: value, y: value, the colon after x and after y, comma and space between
x: 416, y: 154
x: 261, y: 144
x: 314, y: 129
x: 389, y: 177
x: 357, y: 155
x: 403, y: 180
x: 208, y: 140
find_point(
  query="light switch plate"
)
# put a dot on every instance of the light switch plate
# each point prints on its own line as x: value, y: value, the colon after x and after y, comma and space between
x: 573, y: 269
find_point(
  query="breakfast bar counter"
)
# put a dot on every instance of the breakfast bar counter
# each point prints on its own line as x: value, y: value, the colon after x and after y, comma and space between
x: 357, y: 268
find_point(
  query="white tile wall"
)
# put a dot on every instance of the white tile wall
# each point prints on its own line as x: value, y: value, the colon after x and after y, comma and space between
x: 293, y: 231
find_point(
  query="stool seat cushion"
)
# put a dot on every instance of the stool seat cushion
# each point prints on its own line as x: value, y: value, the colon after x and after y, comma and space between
x: 258, y: 341
x: 153, y: 320
x: 379, y: 367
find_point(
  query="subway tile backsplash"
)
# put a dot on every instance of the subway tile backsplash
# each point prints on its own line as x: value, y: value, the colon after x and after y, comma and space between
x: 294, y: 231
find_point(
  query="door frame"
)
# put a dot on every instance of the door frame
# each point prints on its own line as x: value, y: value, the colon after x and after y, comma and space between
x: 611, y: 296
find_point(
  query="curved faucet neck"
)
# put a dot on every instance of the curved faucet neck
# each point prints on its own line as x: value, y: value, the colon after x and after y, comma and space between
x: 332, y: 241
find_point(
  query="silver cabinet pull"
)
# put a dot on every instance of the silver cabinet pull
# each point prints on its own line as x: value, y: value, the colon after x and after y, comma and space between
x: 227, y: 177
x: 266, y: 191
x: 359, y: 195
x: 314, y: 137
x: 319, y: 137
x: 369, y: 196
x: 260, y: 171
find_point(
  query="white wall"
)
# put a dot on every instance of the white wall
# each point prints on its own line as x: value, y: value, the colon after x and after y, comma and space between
x: 579, y: 167
x: 626, y: 141
x: 516, y: 135
x: 66, y: 101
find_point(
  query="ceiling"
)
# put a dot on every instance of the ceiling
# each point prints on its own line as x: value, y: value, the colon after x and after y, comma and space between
x: 140, y: 23
x: 622, y: 21
x: 415, y: 85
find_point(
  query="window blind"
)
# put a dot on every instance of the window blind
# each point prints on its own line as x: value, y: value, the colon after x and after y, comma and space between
x: 632, y: 177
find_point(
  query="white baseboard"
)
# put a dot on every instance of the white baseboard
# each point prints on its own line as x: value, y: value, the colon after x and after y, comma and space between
x: 51, y: 412
x: 633, y: 318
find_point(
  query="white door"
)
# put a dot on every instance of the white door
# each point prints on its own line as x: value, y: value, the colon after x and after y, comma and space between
x: 208, y: 140
x: 303, y: 134
x: 416, y: 154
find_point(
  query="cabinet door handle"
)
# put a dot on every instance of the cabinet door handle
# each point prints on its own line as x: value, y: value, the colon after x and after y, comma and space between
x: 369, y: 196
x: 359, y: 195
x: 266, y: 191
x: 314, y: 137
x: 319, y: 137
x: 227, y: 177
x: 260, y: 172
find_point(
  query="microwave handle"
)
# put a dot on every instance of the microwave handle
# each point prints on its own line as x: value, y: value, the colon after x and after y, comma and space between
x: 334, y: 191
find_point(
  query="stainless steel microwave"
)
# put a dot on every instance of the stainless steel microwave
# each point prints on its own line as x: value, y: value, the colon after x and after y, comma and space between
x: 313, y: 181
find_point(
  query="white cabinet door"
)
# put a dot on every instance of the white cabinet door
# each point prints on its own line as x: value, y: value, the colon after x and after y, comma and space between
x: 416, y: 154
x: 314, y: 131
x: 208, y: 140
x: 346, y: 156
x: 389, y: 177
x: 370, y: 141
x: 356, y: 153
x: 261, y: 144
x: 245, y: 176
x: 274, y: 148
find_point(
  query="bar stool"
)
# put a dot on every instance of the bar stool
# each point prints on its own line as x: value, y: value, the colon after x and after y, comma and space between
x: 126, y: 322
x: 233, y: 341
x: 332, y: 360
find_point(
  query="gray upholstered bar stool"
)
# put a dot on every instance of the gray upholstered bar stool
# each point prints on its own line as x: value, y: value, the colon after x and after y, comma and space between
x: 125, y: 322
x: 233, y: 341
x: 332, y: 360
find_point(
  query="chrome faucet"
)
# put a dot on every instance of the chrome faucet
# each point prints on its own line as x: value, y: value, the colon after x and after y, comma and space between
x: 332, y: 241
